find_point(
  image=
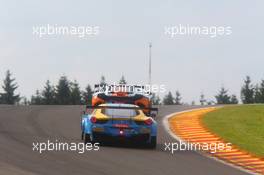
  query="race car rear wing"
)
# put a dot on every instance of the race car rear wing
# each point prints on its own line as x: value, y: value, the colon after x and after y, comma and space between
x: 119, y: 107
x: 123, y: 99
x: 153, y: 111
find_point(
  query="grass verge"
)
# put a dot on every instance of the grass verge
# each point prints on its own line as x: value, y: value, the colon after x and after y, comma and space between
x: 241, y: 125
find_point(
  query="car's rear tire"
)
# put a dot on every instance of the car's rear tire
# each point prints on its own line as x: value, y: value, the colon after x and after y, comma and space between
x: 153, y: 142
x: 87, y: 138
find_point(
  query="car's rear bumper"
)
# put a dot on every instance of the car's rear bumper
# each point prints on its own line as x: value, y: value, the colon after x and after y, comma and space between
x: 99, y: 136
x: 115, y: 131
x: 131, y: 133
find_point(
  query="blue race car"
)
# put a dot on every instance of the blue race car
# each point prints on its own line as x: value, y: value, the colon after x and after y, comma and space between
x: 119, y: 121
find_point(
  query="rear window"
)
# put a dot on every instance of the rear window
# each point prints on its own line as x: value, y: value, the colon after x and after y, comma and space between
x: 120, y: 112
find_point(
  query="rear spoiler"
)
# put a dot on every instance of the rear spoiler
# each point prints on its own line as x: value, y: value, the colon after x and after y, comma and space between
x: 120, y: 107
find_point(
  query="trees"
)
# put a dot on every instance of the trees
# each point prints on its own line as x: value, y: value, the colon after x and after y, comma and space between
x: 48, y: 94
x: 67, y: 92
x: 36, y: 99
x: 252, y: 94
x: 222, y: 97
x: 259, y: 93
x: 178, y: 98
x: 75, y: 93
x: 63, y: 91
x: 87, y: 95
x: 202, y: 99
x: 24, y: 101
x: 102, y: 81
x: 9, y: 87
x: 247, y: 91
x: 233, y: 99
x: 122, y: 80
x: 155, y: 100
x: 168, y: 99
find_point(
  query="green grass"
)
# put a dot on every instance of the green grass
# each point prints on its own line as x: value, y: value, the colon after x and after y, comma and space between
x: 241, y: 125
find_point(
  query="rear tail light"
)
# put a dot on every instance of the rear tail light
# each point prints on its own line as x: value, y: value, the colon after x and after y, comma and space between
x: 93, y: 119
x: 148, y: 121
x: 121, y: 125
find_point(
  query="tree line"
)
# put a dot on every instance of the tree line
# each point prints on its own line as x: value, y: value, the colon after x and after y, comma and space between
x: 67, y: 92
x: 250, y: 93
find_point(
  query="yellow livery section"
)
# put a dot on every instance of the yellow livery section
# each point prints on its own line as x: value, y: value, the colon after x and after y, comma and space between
x: 101, y: 116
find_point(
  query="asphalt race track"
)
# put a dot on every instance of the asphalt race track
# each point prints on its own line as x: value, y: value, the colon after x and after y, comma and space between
x: 21, y: 126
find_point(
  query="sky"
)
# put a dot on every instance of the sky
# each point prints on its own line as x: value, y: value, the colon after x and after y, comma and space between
x: 191, y: 64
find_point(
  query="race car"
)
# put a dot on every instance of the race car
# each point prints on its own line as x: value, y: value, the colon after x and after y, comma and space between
x: 128, y: 94
x: 121, y: 122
